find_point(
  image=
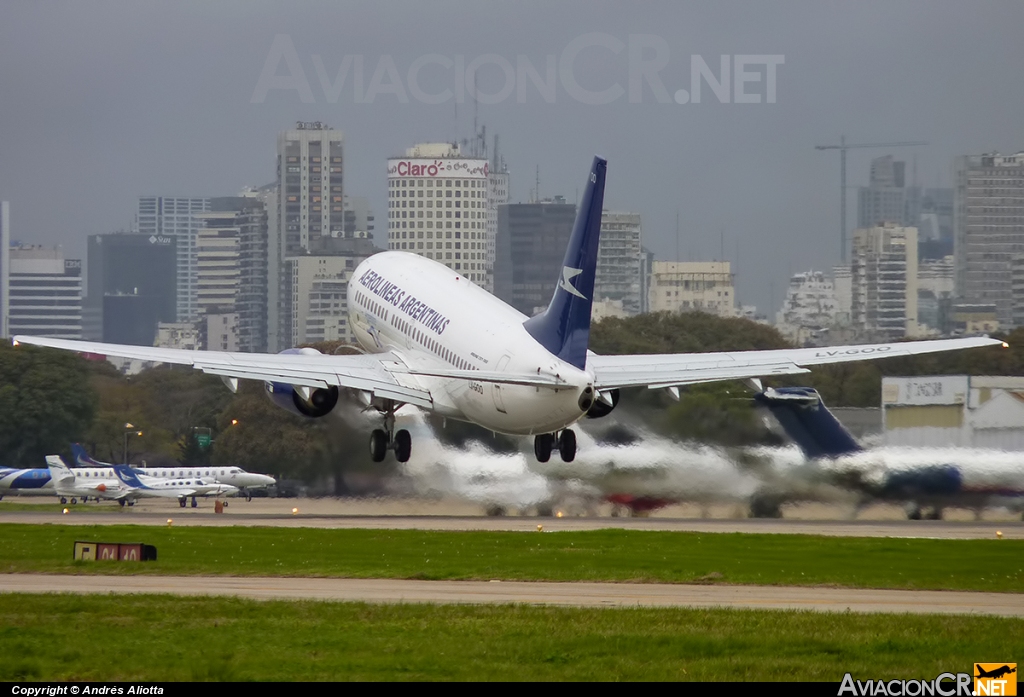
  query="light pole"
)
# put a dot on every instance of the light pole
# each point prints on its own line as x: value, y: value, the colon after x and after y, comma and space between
x: 129, y: 430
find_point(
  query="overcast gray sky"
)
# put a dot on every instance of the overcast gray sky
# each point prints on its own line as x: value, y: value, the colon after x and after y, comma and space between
x: 101, y: 102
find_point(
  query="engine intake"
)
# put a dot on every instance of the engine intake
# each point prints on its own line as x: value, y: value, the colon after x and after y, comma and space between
x: 315, y: 404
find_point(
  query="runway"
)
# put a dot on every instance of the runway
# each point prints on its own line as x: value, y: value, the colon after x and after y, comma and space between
x: 239, y: 515
x: 534, y: 593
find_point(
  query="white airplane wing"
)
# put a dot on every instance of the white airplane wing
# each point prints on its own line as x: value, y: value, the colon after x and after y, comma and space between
x: 674, y: 369
x: 384, y: 375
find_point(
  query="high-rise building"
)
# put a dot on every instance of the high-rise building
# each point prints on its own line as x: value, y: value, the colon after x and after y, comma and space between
x: 359, y: 218
x: 233, y: 266
x: 693, y: 286
x: 935, y: 289
x: 5, y: 266
x: 318, y: 290
x: 620, y: 261
x: 884, y: 200
x: 529, y: 250
x: 497, y: 195
x: 809, y: 307
x: 308, y: 204
x: 45, y: 293
x: 166, y: 216
x: 132, y: 287
x: 884, y: 281
x: 310, y: 177
x: 988, y: 229
x: 437, y: 207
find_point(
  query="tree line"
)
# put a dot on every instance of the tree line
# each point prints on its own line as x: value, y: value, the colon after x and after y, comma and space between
x: 50, y: 399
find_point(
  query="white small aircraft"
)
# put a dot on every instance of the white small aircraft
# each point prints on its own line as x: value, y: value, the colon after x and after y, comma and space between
x: 142, y: 486
x: 436, y: 341
x: 97, y: 482
x: 223, y: 474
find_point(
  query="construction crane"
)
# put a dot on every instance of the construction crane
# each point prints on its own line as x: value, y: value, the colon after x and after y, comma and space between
x: 842, y: 147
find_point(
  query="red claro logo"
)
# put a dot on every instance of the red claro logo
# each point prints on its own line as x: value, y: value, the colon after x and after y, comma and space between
x: 409, y: 169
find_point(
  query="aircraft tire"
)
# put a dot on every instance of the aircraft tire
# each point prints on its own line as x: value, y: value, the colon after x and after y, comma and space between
x: 378, y: 445
x: 195, y: 504
x: 403, y: 446
x: 567, y: 445
x: 543, y: 443
x: 182, y: 502
x: 63, y: 499
x: 131, y: 503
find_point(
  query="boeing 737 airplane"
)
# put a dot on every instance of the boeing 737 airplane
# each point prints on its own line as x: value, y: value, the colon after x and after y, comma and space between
x: 436, y: 341
x: 925, y: 480
x: 237, y: 477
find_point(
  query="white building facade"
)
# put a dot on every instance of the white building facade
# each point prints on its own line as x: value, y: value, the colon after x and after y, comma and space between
x: 884, y: 281
x: 45, y: 293
x: 620, y: 262
x: 810, y: 306
x: 438, y: 208
x: 692, y: 286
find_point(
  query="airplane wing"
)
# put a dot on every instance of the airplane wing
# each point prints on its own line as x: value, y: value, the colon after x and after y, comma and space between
x: 379, y: 374
x: 385, y: 375
x: 675, y: 369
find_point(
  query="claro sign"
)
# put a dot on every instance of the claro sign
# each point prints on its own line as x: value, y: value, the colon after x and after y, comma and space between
x: 472, y: 169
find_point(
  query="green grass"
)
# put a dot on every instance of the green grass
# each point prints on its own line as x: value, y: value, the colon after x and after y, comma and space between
x: 601, y: 555
x: 63, y: 637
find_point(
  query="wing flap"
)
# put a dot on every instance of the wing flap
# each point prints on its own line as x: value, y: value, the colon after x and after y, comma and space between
x: 672, y: 369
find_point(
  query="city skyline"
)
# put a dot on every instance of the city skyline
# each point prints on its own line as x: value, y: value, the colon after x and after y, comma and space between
x: 109, y: 103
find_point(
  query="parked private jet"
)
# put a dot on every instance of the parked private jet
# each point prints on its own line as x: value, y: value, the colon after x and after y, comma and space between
x: 435, y: 340
x: 244, y: 481
x: 142, y: 486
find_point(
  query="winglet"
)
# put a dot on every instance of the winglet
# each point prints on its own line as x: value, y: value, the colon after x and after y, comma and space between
x: 805, y: 419
x: 564, y: 327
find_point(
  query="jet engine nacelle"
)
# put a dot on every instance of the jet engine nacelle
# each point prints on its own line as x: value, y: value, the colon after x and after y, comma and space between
x: 601, y: 408
x: 313, y: 403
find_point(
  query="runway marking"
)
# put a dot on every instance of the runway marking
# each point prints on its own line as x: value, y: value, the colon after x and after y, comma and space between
x: 533, y: 593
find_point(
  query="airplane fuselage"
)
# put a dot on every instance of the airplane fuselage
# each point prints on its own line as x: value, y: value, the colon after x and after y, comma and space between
x: 432, y: 317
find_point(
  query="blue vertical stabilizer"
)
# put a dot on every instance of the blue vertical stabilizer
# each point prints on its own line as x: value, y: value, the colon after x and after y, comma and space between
x: 564, y: 327
x: 800, y: 411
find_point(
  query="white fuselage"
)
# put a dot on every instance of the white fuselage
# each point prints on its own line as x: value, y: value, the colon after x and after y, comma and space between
x: 184, y: 486
x: 433, y: 318
x: 235, y: 476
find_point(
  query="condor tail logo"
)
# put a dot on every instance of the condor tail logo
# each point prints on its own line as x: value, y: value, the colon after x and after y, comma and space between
x: 566, y: 283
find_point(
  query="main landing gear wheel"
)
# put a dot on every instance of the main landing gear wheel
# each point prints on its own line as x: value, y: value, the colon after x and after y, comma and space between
x: 182, y: 501
x: 543, y: 443
x: 63, y: 499
x: 195, y: 504
x: 567, y: 445
x: 121, y: 502
x: 403, y: 446
x: 378, y: 445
